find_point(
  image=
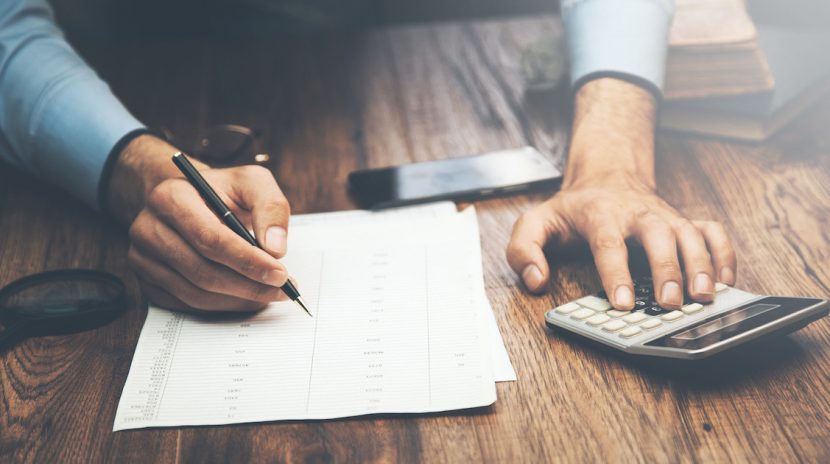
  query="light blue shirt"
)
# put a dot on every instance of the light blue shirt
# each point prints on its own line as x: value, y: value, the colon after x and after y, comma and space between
x: 628, y: 38
x: 59, y: 120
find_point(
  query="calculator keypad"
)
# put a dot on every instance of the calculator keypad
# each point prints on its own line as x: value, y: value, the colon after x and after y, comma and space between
x: 596, y: 312
x: 631, y: 331
x: 582, y: 313
x: 597, y: 319
x: 651, y: 324
x: 672, y: 316
x: 614, y: 325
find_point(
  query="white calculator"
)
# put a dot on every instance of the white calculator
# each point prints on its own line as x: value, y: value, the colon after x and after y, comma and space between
x: 693, y: 332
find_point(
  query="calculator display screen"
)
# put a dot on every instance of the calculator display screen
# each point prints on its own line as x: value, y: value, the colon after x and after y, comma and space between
x: 732, y: 323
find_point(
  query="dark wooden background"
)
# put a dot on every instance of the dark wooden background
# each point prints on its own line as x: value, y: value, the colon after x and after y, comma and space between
x: 335, y: 103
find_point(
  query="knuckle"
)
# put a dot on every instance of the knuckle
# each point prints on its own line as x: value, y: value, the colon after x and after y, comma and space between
x: 604, y: 242
x: 683, y: 225
x: 515, y: 254
x: 715, y: 228
x: 718, y: 226
x: 160, y: 195
x: 526, y: 220
x: 668, y: 267
x: 277, y: 207
x: 140, y: 228
x: 513, y: 248
x: 702, y: 262
x: 248, y: 266
x: 136, y: 230
x: 192, y: 297
x: 596, y: 212
x: 206, y: 241
x: 204, y: 277
x: 647, y: 216
x: 521, y: 222
x: 132, y: 257
x: 256, y: 172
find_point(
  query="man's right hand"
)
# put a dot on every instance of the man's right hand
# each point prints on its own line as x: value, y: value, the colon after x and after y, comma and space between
x: 183, y: 255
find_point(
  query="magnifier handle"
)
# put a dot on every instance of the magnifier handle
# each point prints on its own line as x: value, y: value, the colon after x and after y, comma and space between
x: 12, y: 334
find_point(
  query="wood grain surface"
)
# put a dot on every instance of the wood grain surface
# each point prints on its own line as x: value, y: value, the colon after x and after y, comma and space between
x: 330, y: 104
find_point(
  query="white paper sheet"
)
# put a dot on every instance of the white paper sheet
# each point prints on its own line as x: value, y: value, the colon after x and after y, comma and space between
x: 398, y: 327
x: 502, y: 368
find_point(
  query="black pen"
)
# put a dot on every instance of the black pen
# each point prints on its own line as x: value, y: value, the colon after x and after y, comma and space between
x: 221, y: 209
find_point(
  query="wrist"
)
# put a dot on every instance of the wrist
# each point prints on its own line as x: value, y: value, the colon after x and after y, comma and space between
x: 141, y: 165
x: 612, y: 139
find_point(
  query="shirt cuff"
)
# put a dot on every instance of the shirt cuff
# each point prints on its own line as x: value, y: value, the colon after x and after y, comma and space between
x: 626, y: 39
x: 76, y: 135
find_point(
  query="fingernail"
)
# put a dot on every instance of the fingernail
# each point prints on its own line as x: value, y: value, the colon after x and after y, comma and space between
x: 703, y: 284
x: 726, y: 275
x: 623, y: 296
x: 275, y: 277
x: 532, y: 277
x: 671, y: 293
x: 276, y: 240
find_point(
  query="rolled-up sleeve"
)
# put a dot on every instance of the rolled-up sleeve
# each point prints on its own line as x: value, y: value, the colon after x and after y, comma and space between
x: 623, y: 38
x: 58, y: 119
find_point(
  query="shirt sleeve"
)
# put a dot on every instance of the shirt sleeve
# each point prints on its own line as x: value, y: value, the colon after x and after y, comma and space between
x: 58, y: 119
x: 621, y: 38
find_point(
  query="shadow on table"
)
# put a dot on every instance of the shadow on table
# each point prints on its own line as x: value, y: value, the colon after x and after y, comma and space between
x: 750, y: 362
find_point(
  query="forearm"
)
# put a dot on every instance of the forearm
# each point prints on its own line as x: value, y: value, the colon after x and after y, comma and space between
x: 613, y: 134
x: 143, y: 164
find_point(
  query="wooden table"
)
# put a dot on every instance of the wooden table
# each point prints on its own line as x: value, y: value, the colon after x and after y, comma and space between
x: 341, y: 102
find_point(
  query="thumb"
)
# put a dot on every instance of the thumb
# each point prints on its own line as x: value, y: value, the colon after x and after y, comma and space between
x: 257, y: 191
x: 525, y: 251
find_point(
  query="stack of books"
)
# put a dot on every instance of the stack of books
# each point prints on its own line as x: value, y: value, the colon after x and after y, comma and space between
x: 727, y: 77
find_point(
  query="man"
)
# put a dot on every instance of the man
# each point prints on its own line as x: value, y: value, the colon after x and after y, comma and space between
x: 58, y: 119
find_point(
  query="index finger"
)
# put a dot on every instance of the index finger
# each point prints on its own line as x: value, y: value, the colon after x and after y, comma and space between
x: 256, y: 189
x: 179, y: 205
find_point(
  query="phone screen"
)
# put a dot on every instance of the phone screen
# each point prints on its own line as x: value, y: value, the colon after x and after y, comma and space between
x: 461, y: 178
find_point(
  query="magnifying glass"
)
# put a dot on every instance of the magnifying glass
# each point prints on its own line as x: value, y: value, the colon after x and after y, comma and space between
x: 59, y: 302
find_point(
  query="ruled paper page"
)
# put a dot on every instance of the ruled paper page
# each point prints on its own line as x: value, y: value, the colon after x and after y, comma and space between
x: 397, y: 328
x: 502, y: 368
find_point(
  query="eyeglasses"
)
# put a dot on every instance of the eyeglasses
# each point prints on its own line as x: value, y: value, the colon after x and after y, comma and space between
x: 59, y: 302
x: 221, y: 144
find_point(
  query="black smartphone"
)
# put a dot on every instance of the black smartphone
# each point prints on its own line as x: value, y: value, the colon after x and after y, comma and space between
x: 461, y: 178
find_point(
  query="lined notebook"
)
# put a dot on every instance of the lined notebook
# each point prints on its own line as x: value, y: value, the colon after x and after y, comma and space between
x: 401, y: 325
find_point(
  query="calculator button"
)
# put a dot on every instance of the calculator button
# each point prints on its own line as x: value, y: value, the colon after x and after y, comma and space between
x: 597, y: 319
x: 634, y: 318
x: 582, y: 313
x: 651, y: 323
x: 692, y: 308
x: 567, y: 308
x: 614, y: 325
x: 719, y: 287
x: 615, y: 313
x: 640, y: 305
x: 654, y: 311
x: 672, y: 316
x: 629, y: 332
x: 592, y: 302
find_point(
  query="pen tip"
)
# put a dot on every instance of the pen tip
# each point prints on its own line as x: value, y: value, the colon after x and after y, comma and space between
x: 302, y: 304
